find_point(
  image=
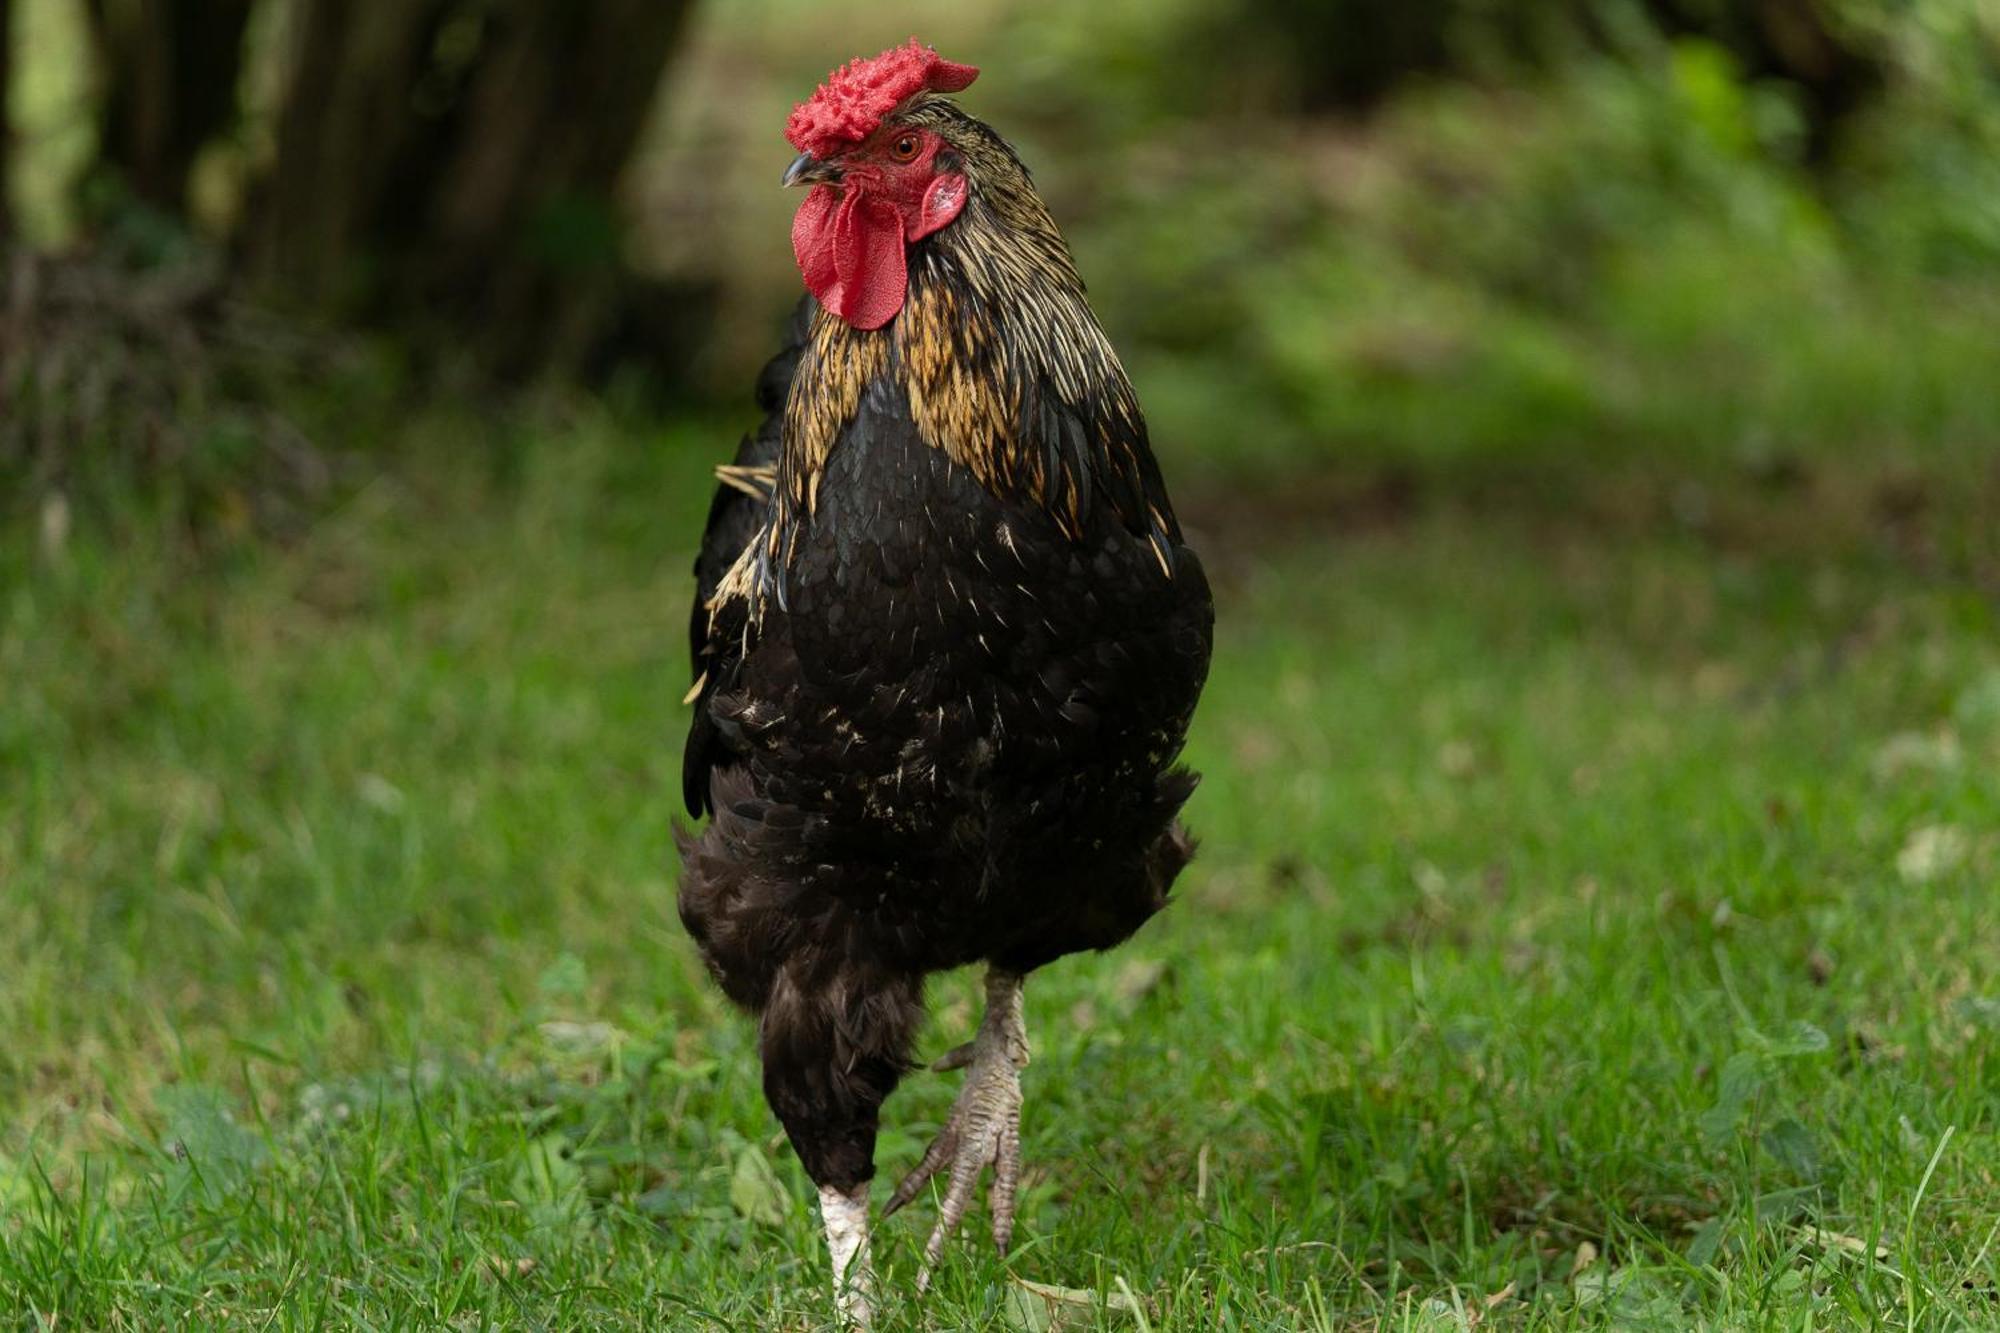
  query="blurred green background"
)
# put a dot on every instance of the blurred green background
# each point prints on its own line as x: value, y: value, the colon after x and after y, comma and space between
x: 1450, y: 233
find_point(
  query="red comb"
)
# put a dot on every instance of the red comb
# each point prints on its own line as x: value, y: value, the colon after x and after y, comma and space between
x: 851, y: 103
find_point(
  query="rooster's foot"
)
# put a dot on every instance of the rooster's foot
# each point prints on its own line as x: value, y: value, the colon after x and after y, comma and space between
x: 985, y: 1124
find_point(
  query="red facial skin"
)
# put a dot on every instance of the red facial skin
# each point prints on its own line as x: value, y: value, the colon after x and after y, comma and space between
x: 850, y: 237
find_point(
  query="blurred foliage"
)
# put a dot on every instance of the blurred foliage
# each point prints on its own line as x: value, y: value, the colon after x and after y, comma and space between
x: 1564, y: 233
x: 1626, y: 253
x: 1465, y: 234
x: 1921, y: 180
x: 138, y: 384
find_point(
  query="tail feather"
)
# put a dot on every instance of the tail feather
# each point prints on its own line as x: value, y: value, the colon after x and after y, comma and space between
x: 742, y: 494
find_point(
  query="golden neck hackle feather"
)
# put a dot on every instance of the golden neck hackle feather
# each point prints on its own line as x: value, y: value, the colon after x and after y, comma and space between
x: 1005, y: 367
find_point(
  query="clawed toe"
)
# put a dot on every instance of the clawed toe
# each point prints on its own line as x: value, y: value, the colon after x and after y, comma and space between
x: 984, y: 1128
x: 958, y: 1057
x: 942, y: 1150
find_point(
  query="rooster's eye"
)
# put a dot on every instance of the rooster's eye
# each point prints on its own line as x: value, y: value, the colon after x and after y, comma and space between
x: 905, y: 148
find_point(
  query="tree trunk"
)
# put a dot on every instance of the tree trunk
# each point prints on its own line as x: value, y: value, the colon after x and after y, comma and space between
x: 349, y: 119
x: 525, y: 227
x: 168, y: 70
x: 1350, y: 54
x: 458, y: 160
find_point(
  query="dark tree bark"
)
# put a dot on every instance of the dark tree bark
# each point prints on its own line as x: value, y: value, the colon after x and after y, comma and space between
x: 351, y: 115
x: 458, y: 160
x: 168, y: 69
x: 1349, y: 54
x: 530, y: 186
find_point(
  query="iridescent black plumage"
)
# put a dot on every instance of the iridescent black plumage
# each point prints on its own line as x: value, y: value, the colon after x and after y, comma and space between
x: 737, y: 510
x: 947, y: 673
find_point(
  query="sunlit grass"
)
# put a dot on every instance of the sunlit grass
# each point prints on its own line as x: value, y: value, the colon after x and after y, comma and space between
x: 1593, y: 926
x: 1595, y: 918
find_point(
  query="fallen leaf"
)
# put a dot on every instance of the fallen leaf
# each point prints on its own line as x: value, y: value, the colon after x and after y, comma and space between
x: 755, y: 1191
x: 1039, y: 1307
x: 1917, y: 752
x: 1586, y: 1255
x: 1933, y: 851
x: 379, y: 793
x: 580, y: 1038
x: 503, y: 1268
x: 1136, y: 980
x: 1834, y: 1240
x: 55, y: 524
x: 1025, y: 1312
x: 1083, y: 1296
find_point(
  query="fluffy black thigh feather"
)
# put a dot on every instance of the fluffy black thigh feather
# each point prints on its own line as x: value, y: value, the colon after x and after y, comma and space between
x: 952, y: 741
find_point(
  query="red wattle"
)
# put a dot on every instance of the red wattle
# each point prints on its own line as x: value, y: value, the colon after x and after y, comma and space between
x: 850, y: 252
x: 812, y: 240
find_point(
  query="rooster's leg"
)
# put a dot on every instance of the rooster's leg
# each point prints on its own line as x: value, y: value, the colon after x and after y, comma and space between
x: 985, y: 1125
x: 835, y: 1037
x: 845, y: 1217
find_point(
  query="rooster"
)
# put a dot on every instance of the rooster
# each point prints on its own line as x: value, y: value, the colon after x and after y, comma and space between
x: 948, y: 640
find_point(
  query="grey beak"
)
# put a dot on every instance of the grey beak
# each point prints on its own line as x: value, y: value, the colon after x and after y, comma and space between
x: 809, y: 170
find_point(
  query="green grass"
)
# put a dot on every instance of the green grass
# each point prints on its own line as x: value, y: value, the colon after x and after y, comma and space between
x: 1594, y: 922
